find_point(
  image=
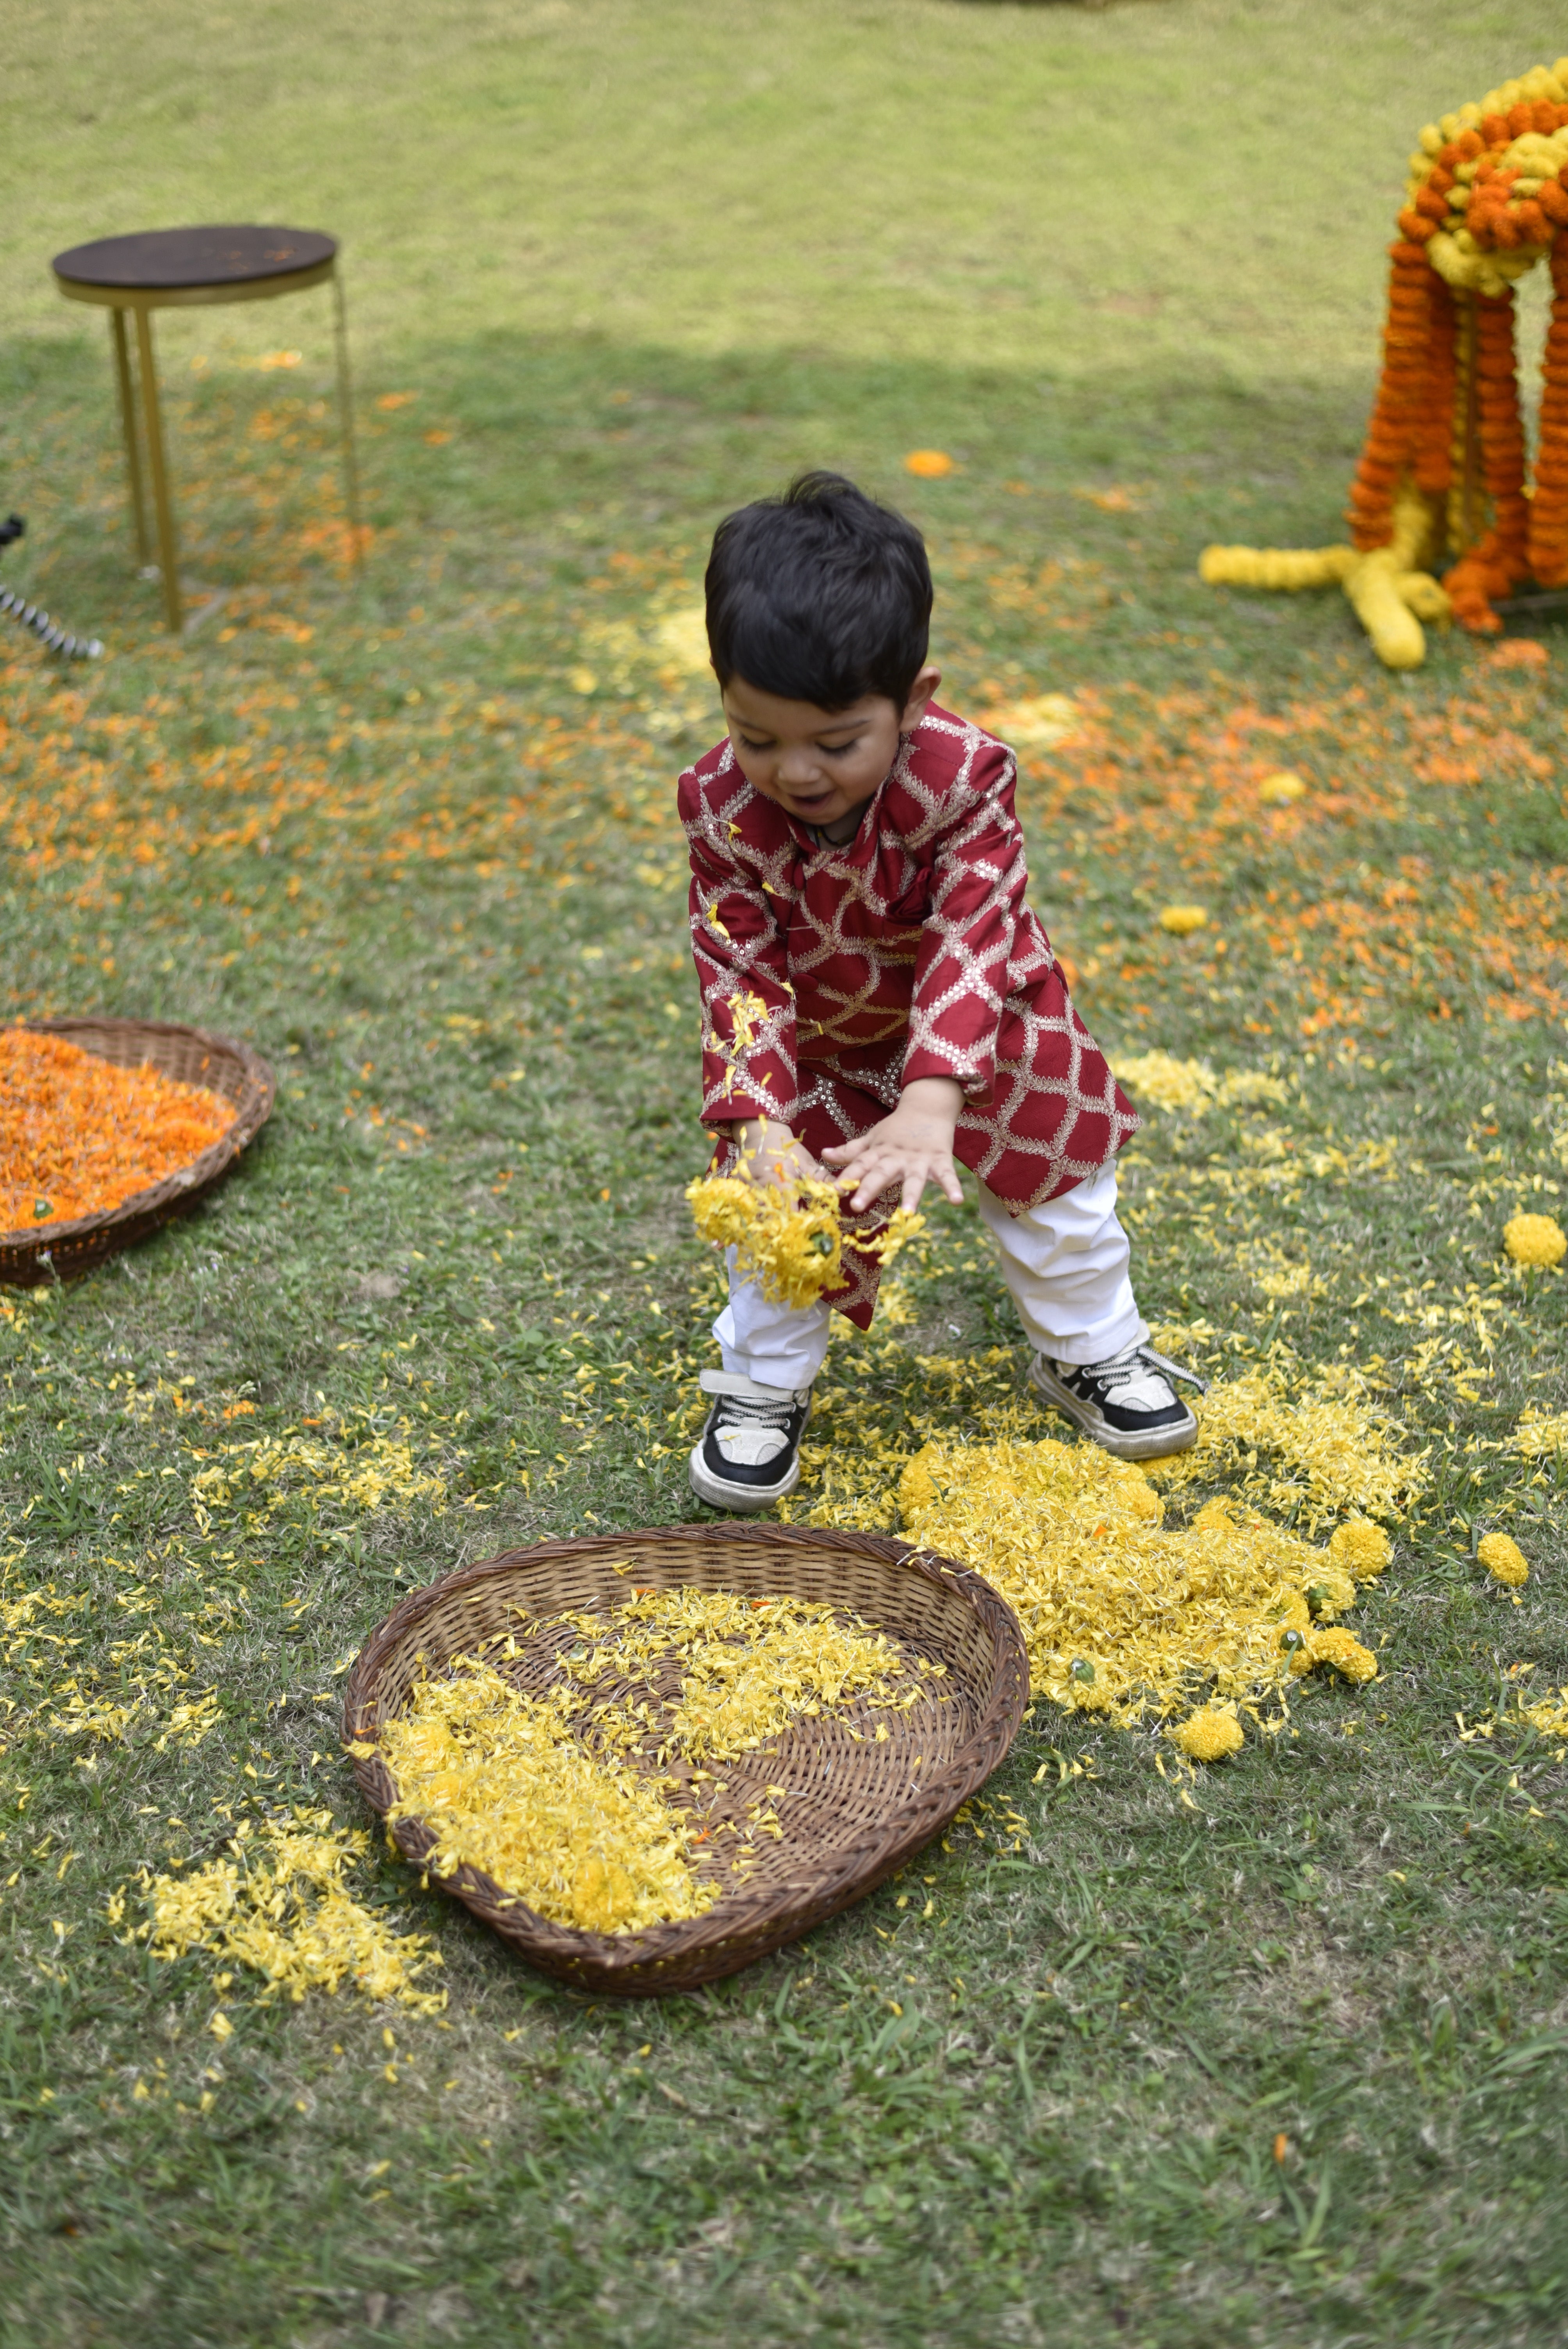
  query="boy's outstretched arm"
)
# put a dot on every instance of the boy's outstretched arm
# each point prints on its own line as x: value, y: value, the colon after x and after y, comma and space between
x: 911, y: 1148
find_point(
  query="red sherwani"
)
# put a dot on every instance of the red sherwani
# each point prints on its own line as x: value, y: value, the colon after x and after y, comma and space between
x: 831, y: 977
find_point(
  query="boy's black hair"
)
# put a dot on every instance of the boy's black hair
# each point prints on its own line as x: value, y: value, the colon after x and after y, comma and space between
x: 819, y: 595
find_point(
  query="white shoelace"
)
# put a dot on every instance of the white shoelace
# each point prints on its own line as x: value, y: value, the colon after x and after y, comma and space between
x: 1138, y: 1379
x: 752, y: 1432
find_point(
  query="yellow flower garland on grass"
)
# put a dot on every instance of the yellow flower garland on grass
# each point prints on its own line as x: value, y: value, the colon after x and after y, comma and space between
x: 1445, y: 465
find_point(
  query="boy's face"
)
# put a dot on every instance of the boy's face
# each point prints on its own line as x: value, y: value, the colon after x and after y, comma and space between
x: 820, y: 765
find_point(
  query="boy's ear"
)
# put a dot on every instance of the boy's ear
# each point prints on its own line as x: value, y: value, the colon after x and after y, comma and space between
x: 922, y: 693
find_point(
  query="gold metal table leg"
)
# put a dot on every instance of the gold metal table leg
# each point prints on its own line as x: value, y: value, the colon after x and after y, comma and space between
x: 346, y: 402
x: 168, y: 555
x: 132, y: 445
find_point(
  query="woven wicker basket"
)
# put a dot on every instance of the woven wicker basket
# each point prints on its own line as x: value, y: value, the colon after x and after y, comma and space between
x: 240, y: 1075
x: 856, y: 1811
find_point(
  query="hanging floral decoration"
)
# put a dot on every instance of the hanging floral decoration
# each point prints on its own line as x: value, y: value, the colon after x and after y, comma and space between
x: 1444, y: 472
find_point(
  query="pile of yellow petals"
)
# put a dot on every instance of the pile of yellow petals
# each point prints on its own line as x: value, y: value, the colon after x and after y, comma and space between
x: 502, y: 1784
x: 788, y: 1235
x: 1539, y: 1436
x: 1121, y: 1616
x: 276, y: 1902
x: 1181, y: 921
x: 1536, y: 1240
x: 1322, y: 1455
x: 1547, y: 1714
x: 747, y: 1669
x: 1162, y: 1080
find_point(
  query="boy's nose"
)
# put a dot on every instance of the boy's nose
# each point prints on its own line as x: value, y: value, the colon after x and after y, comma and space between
x: 797, y: 767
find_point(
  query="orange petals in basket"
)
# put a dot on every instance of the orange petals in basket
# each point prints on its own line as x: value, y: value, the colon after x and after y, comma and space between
x: 80, y: 1136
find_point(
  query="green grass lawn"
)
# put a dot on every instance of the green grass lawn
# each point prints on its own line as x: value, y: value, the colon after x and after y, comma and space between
x: 1276, y: 2057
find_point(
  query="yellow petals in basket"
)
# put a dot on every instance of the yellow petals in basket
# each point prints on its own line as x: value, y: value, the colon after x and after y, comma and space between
x: 570, y: 1797
x: 497, y: 1776
x: 789, y: 1235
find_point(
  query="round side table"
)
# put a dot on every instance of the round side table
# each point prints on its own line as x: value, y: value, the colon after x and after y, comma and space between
x: 179, y: 268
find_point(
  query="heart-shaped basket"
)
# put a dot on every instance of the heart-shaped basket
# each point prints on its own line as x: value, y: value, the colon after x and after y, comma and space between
x: 59, y: 1251
x: 855, y: 1810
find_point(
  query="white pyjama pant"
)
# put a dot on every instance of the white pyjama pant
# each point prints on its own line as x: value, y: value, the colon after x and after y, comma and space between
x: 1065, y: 1263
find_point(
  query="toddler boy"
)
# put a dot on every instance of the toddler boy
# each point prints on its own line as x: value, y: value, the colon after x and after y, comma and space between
x: 877, y: 999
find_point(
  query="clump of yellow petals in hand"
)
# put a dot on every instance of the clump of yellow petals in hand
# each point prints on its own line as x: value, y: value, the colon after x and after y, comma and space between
x: 1208, y: 1734
x: 1181, y: 921
x: 1502, y: 1558
x: 788, y: 1234
x: 1536, y: 1240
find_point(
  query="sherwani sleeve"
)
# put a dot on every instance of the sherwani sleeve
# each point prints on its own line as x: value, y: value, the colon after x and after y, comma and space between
x: 748, y: 1058
x: 962, y: 970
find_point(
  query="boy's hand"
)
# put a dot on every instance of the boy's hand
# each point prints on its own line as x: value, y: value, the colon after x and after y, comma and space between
x: 771, y: 1154
x: 913, y: 1147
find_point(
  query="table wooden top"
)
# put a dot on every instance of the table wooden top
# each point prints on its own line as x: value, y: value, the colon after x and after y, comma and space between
x: 166, y: 259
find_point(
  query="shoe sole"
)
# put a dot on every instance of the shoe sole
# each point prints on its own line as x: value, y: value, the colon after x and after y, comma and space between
x: 741, y: 1500
x: 1158, y: 1444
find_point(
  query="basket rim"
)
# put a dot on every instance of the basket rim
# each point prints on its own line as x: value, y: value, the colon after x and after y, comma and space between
x: 251, y: 1111
x: 688, y: 1948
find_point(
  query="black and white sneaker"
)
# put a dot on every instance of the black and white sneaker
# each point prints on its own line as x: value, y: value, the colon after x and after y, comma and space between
x: 750, y: 1449
x: 1129, y: 1405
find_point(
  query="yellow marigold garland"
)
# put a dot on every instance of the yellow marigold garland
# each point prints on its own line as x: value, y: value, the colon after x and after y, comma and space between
x: 1445, y: 456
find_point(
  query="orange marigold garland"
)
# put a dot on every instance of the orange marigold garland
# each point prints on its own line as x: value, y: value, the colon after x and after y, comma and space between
x: 1445, y: 453
x: 80, y: 1136
x: 1432, y: 460
x: 1397, y: 413
x: 1499, y: 560
x: 1549, y: 506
